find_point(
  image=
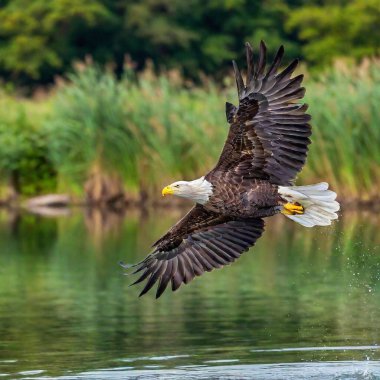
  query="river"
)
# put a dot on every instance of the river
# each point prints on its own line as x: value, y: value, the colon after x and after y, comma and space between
x: 302, y: 304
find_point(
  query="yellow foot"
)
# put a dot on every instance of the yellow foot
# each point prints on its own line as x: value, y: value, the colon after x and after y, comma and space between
x: 292, y: 209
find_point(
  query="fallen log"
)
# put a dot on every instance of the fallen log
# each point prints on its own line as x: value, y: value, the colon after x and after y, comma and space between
x: 50, y: 200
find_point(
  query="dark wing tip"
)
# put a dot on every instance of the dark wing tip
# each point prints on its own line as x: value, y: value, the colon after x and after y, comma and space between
x: 250, y: 62
x: 159, y: 293
x: 288, y: 71
x: 276, y: 62
x: 161, y: 288
x: 234, y: 65
x: 239, y: 79
x: 149, y: 284
x: 262, y: 60
x: 142, y: 277
x: 164, y: 279
x: 295, y: 62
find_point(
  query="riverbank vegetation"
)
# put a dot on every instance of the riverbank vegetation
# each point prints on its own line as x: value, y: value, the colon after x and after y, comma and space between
x: 147, y: 106
x: 107, y: 139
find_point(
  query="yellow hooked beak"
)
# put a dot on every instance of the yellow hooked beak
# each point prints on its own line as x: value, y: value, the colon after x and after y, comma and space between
x: 167, y: 191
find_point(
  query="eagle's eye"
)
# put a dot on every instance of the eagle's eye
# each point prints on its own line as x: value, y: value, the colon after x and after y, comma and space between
x: 176, y: 185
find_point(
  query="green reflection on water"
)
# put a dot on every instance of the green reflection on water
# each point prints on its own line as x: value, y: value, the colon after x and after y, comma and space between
x: 65, y: 305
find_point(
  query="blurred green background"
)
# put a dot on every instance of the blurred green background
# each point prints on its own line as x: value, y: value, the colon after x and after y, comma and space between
x: 109, y: 100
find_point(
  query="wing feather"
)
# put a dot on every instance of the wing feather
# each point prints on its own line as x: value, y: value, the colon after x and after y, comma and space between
x: 200, y: 242
x: 269, y: 132
x: 262, y: 61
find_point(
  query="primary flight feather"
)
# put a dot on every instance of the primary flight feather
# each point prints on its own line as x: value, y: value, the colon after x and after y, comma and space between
x: 265, y: 149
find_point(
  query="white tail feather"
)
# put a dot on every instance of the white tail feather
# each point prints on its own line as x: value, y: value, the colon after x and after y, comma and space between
x: 319, y: 203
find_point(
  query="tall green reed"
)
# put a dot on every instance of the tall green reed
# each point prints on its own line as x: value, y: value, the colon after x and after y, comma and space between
x: 87, y: 129
x: 344, y: 104
x: 142, y: 129
x: 149, y: 130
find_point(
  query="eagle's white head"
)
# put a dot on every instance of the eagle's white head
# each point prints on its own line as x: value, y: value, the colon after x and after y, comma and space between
x: 198, y: 190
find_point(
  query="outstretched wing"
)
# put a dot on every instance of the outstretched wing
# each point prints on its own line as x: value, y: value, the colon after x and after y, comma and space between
x: 269, y: 132
x: 201, y: 241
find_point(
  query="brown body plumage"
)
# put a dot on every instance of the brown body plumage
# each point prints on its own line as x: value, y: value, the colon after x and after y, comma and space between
x: 243, y: 197
x: 266, y: 147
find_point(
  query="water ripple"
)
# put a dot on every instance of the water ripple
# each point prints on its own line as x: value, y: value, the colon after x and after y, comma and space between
x: 321, y: 348
x: 340, y: 370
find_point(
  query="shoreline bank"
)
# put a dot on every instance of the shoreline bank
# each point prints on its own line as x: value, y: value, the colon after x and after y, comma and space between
x: 61, y: 204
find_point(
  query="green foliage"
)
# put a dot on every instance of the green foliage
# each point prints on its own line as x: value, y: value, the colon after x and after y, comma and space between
x: 88, y: 127
x: 344, y: 106
x: 23, y: 153
x: 137, y: 129
x: 348, y: 28
x: 162, y: 110
x: 202, y: 36
x: 40, y: 37
x: 151, y: 130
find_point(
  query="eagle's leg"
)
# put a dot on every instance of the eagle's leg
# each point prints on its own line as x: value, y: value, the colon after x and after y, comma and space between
x: 293, y: 209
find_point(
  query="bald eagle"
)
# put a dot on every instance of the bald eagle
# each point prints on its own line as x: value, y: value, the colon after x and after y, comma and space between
x: 266, y: 147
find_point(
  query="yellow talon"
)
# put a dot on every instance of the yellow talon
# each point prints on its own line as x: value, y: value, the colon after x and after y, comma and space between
x: 293, y: 209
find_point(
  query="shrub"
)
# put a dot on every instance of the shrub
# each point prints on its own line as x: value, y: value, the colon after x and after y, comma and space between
x: 24, y: 161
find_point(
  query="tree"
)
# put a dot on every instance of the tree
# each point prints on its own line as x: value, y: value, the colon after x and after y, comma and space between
x: 202, y: 36
x: 334, y: 29
x: 39, y: 38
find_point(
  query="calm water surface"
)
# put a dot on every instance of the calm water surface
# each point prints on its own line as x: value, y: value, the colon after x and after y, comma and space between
x: 304, y: 303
